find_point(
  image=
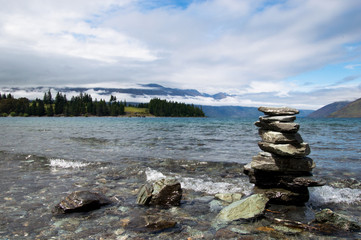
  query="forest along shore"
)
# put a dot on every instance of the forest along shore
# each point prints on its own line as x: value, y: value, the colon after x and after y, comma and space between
x: 83, y: 105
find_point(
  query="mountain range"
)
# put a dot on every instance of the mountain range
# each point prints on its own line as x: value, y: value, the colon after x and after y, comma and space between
x: 145, y: 92
x: 339, y: 110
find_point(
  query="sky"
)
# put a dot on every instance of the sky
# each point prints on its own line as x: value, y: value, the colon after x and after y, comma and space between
x: 298, y: 53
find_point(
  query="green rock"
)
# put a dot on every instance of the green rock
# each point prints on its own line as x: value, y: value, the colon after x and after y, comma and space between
x: 247, y: 208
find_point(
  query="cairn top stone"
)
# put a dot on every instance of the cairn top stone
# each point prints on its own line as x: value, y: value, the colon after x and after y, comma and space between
x: 281, y: 111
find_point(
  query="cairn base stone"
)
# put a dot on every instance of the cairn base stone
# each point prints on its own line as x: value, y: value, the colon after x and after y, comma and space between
x: 269, y: 162
x: 285, y: 196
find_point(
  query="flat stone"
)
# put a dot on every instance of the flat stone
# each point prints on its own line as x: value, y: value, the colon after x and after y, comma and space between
x: 269, y: 162
x: 81, y: 201
x: 247, y: 208
x: 286, y: 118
x: 288, y: 127
x: 288, y: 150
x: 284, y: 196
x: 274, y: 111
x: 279, y: 137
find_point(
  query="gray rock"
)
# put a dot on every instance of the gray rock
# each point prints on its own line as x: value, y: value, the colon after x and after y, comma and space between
x: 273, y: 111
x: 279, y: 137
x: 285, y: 196
x: 327, y: 216
x: 247, y: 208
x: 286, y: 118
x: 81, y: 201
x: 288, y: 127
x: 269, y: 162
x: 288, y: 150
x: 164, y: 192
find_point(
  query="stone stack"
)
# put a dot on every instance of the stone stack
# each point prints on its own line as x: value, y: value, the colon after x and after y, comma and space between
x: 282, y: 171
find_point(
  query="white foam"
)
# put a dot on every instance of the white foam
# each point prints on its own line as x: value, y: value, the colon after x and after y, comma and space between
x: 61, y: 163
x: 327, y: 194
x: 202, y: 185
x: 211, y: 187
x: 153, y: 175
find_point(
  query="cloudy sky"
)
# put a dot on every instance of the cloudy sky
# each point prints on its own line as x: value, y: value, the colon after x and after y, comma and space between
x: 301, y: 53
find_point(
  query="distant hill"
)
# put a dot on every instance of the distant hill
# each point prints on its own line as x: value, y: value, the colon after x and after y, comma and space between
x: 351, y: 110
x: 327, y: 110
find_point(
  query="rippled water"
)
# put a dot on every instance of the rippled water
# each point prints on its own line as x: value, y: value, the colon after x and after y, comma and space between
x: 43, y: 159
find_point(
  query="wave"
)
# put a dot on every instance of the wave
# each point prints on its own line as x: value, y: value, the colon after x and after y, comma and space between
x: 205, y: 185
x: 326, y: 194
x: 61, y: 163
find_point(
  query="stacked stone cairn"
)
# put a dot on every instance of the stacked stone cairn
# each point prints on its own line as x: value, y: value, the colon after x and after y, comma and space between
x: 282, y: 171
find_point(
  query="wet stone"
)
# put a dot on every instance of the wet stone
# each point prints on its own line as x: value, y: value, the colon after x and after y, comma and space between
x: 164, y: 192
x: 247, y: 208
x: 81, y: 201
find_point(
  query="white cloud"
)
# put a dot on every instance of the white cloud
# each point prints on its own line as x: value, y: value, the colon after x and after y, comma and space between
x: 217, y: 45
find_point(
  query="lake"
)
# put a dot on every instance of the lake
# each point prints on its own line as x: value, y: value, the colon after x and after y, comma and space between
x: 44, y: 159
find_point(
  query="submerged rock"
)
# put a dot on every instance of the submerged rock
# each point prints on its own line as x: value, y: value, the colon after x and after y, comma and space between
x: 81, y: 201
x: 150, y: 223
x: 164, y: 192
x: 327, y: 216
x: 247, y: 208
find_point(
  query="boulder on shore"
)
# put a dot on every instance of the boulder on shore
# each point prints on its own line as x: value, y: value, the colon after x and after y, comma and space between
x: 164, y: 192
x: 81, y: 201
x: 247, y: 208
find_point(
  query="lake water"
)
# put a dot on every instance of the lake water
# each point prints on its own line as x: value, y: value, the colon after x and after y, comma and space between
x: 44, y: 159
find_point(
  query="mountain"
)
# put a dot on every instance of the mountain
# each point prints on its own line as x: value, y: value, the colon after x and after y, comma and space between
x: 145, y: 92
x: 351, y: 110
x: 327, y: 110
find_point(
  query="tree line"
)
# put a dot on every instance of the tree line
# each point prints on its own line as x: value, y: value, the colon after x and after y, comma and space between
x: 164, y: 108
x: 84, y: 105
